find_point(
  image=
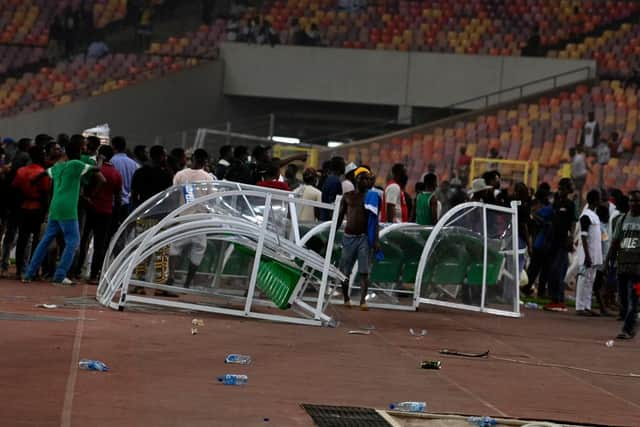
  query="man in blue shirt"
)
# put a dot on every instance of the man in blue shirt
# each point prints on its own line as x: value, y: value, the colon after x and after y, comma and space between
x: 126, y: 167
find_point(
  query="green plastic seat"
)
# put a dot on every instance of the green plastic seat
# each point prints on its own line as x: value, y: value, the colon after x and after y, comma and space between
x: 411, y: 243
x: 210, y: 259
x: 494, y: 266
x: 447, y: 264
x: 240, y: 262
x: 277, y: 281
x: 474, y: 246
x: 388, y: 270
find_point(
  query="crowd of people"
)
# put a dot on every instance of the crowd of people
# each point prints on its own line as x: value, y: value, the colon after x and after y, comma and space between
x: 61, y: 193
x: 75, y: 189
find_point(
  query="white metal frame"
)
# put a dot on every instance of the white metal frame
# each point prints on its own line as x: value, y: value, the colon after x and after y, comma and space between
x: 417, y: 300
x: 179, y: 224
x: 201, y: 135
x: 514, y: 252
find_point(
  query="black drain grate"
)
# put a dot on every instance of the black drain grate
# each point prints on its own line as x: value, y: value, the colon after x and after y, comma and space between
x: 344, y: 416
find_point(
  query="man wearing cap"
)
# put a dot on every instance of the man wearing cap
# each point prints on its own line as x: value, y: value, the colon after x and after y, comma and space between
x: 355, y: 243
x: 480, y: 191
x: 348, y: 184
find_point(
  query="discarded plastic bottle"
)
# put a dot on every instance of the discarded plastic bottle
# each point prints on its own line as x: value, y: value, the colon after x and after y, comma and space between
x: 239, y: 359
x: 233, y: 379
x: 482, y: 421
x: 93, y: 365
x: 531, y: 305
x: 430, y: 364
x: 409, y: 406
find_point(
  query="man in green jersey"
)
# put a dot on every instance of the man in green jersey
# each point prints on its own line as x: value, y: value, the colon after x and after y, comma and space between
x: 427, y: 202
x: 63, y: 211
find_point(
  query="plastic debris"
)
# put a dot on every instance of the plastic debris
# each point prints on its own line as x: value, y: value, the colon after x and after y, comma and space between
x: 49, y: 306
x: 462, y: 353
x: 233, y: 379
x: 408, y: 406
x: 194, y: 325
x: 531, y: 305
x: 416, y: 333
x: 93, y: 365
x: 239, y: 359
x: 430, y: 364
x: 482, y: 421
x: 359, y: 332
x: 609, y: 343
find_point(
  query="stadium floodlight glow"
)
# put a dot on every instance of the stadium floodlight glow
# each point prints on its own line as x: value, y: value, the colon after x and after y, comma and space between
x: 286, y: 140
x: 334, y: 144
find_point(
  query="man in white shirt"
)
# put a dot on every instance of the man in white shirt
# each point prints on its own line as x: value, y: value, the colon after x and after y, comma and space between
x: 196, y: 173
x: 579, y: 171
x: 589, y: 254
x: 309, y: 192
x: 197, y: 245
x: 394, y: 204
x: 347, y: 182
x: 590, y: 133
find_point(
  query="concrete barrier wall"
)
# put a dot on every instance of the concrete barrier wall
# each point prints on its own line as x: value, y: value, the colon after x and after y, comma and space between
x: 195, y: 97
x: 382, y: 77
x: 183, y: 100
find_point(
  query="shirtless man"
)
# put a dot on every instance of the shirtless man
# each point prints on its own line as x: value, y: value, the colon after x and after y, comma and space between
x: 355, y: 244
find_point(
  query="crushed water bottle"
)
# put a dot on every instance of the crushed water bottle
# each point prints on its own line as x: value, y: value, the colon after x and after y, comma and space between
x: 408, y: 406
x: 482, y: 421
x: 93, y: 365
x: 531, y: 305
x: 239, y: 359
x: 233, y: 379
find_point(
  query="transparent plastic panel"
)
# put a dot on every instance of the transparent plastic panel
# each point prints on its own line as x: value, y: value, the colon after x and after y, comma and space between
x: 502, y: 293
x: 451, y: 269
x: 457, y: 272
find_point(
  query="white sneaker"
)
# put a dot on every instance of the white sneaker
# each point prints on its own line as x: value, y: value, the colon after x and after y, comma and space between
x: 64, y: 282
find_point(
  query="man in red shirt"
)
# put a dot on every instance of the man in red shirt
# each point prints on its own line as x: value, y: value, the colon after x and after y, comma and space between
x: 102, y: 201
x: 33, y: 204
x: 271, y: 175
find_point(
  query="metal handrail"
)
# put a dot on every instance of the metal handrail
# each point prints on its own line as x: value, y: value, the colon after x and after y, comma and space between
x: 522, y: 86
x: 439, y: 122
